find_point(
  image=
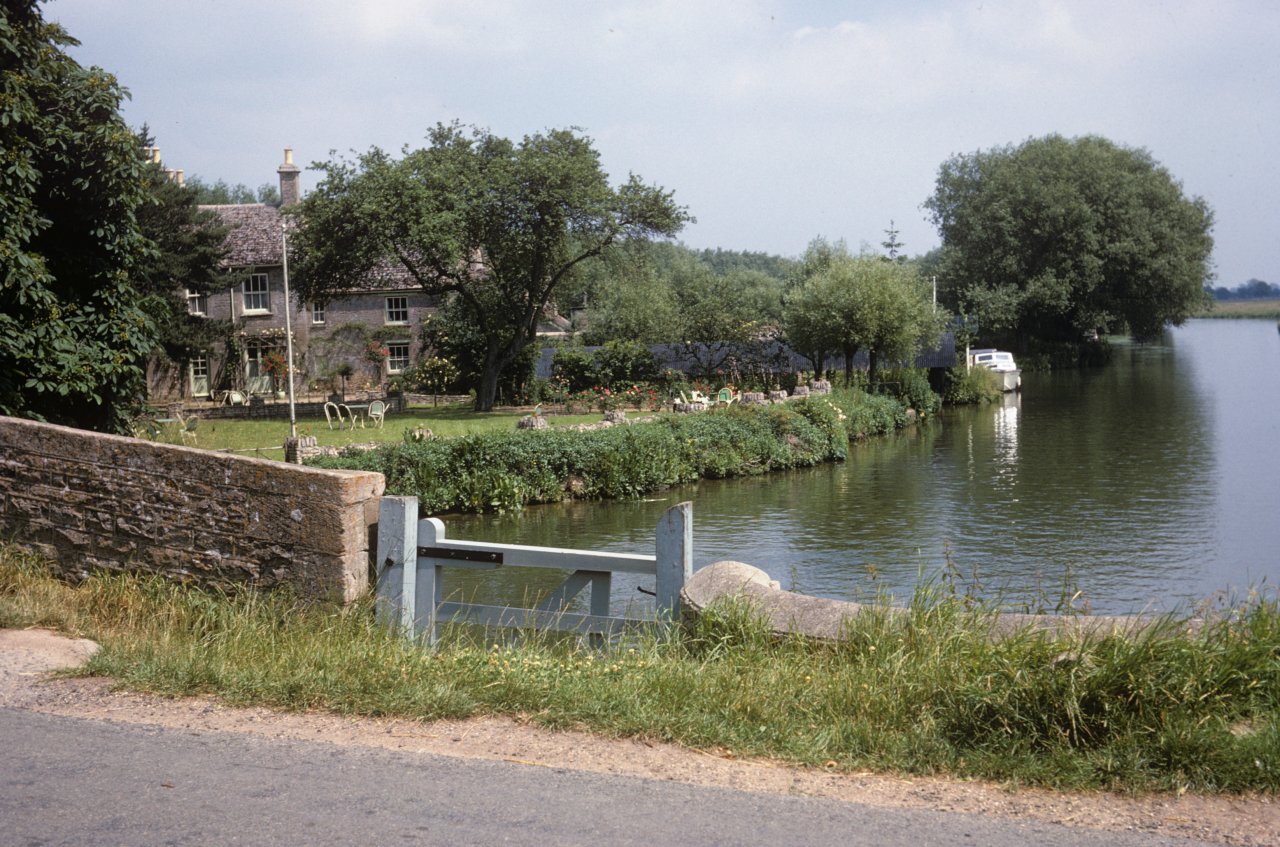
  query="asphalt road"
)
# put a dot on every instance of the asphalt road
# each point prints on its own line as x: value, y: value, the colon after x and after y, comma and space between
x: 85, y: 782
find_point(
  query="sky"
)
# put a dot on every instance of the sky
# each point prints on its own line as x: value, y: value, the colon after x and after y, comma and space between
x: 773, y: 122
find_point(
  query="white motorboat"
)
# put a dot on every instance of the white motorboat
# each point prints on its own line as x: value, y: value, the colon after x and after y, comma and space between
x: 1002, y: 363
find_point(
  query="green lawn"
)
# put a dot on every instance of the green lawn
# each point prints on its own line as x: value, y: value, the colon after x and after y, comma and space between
x: 267, y: 436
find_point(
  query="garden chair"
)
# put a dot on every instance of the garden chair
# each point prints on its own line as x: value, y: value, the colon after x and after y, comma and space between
x: 188, y: 430
x: 378, y: 412
x: 727, y: 396
x: 332, y: 411
x: 698, y: 397
x: 344, y: 409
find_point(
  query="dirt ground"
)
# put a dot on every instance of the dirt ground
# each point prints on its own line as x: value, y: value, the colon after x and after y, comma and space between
x: 27, y: 656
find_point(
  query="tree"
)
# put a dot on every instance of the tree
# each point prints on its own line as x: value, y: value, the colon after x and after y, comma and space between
x: 892, y: 246
x: 221, y: 193
x: 1057, y: 237
x: 497, y: 225
x: 854, y: 303
x: 73, y: 334
x: 187, y: 247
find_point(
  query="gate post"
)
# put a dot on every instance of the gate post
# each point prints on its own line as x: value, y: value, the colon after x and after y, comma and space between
x: 674, y: 554
x: 397, y: 563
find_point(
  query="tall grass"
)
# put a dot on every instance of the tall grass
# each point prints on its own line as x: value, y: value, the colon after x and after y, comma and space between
x: 926, y: 691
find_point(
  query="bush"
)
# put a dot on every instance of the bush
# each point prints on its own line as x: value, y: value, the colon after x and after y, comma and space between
x: 915, y: 391
x: 619, y: 362
x: 966, y: 386
x: 504, y: 471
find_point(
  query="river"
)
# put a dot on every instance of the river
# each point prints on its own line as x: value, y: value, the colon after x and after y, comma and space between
x: 1150, y: 484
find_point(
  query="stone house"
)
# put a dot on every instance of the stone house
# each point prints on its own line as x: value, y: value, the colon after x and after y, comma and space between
x: 374, y: 330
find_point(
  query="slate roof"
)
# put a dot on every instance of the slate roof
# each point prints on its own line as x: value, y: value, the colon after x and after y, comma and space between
x: 254, y: 240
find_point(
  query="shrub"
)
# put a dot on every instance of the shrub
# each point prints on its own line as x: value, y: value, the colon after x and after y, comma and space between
x: 504, y: 471
x: 618, y: 362
x: 965, y: 386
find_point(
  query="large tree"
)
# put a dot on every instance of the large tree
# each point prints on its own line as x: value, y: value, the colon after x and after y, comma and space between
x: 496, y: 224
x: 73, y: 334
x: 1057, y: 237
x: 186, y: 251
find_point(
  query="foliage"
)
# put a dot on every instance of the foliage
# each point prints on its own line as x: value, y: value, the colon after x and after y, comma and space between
x: 623, y: 361
x: 74, y: 335
x: 494, y: 224
x: 220, y: 193
x: 968, y: 386
x: 503, y: 471
x: 187, y: 251
x: 573, y: 368
x: 667, y: 293
x: 433, y: 375
x: 925, y: 689
x: 1254, y: 289
x: 911, y: 386
x: 852, y: 303
x: 1058, y: 237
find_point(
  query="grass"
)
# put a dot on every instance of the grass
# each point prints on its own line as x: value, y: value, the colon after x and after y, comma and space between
x: 925, y: 692
x: 1242, y: 309
x: 267, y: 436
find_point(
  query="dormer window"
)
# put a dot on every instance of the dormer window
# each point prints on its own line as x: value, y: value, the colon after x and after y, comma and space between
x: 397, y: 310
x: 257, y: 295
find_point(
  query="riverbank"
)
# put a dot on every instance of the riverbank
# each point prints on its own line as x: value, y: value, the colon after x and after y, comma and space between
x: 926, y: 692
x: 1242, y: 309
x: 505, y: 471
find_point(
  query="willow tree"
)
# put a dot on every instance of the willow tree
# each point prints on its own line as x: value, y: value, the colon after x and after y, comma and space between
x: 495, y: 224
x: 1057, y: 237
x: 856, y: 303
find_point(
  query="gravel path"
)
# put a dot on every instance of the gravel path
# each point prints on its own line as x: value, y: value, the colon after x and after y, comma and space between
x: 26, y: 657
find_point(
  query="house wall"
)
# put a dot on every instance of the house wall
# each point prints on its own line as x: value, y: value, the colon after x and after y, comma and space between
x: 349, y: 322
x: 88, y: 502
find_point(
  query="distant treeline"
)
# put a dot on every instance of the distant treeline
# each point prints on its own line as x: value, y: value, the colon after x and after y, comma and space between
x: 1254, y: 289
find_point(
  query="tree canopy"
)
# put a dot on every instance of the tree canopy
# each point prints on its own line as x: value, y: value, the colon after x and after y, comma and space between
x: 1057, y: 237
x: 73, y: 334
x: 222, y: 193
x: 186, y: 251
x: 495, y: 224
x: 839, y: 302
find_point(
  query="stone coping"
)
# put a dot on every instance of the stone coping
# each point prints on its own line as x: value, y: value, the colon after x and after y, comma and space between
x: 822, y: 619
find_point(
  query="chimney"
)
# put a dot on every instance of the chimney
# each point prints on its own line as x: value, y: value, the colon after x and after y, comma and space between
x: 289, y: 189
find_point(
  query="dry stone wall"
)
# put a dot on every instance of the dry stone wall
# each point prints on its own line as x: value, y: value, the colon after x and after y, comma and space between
x: 88, y: 501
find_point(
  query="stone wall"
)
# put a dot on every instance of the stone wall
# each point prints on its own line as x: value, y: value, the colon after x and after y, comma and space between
x: 88, y: 501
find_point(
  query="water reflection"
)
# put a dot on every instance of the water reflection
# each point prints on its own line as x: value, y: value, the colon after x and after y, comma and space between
x: 1148, y: 484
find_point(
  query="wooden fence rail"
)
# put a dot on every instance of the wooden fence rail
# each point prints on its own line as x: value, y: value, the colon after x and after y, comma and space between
x: 412, y: 555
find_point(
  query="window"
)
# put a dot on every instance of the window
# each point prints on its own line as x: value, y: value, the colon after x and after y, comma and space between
x: 397, y: 310
x: 197, y: 304
x: 397, y: 357
x: 257, y: 295
x: 317, y: 313
x: 199, y: 376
